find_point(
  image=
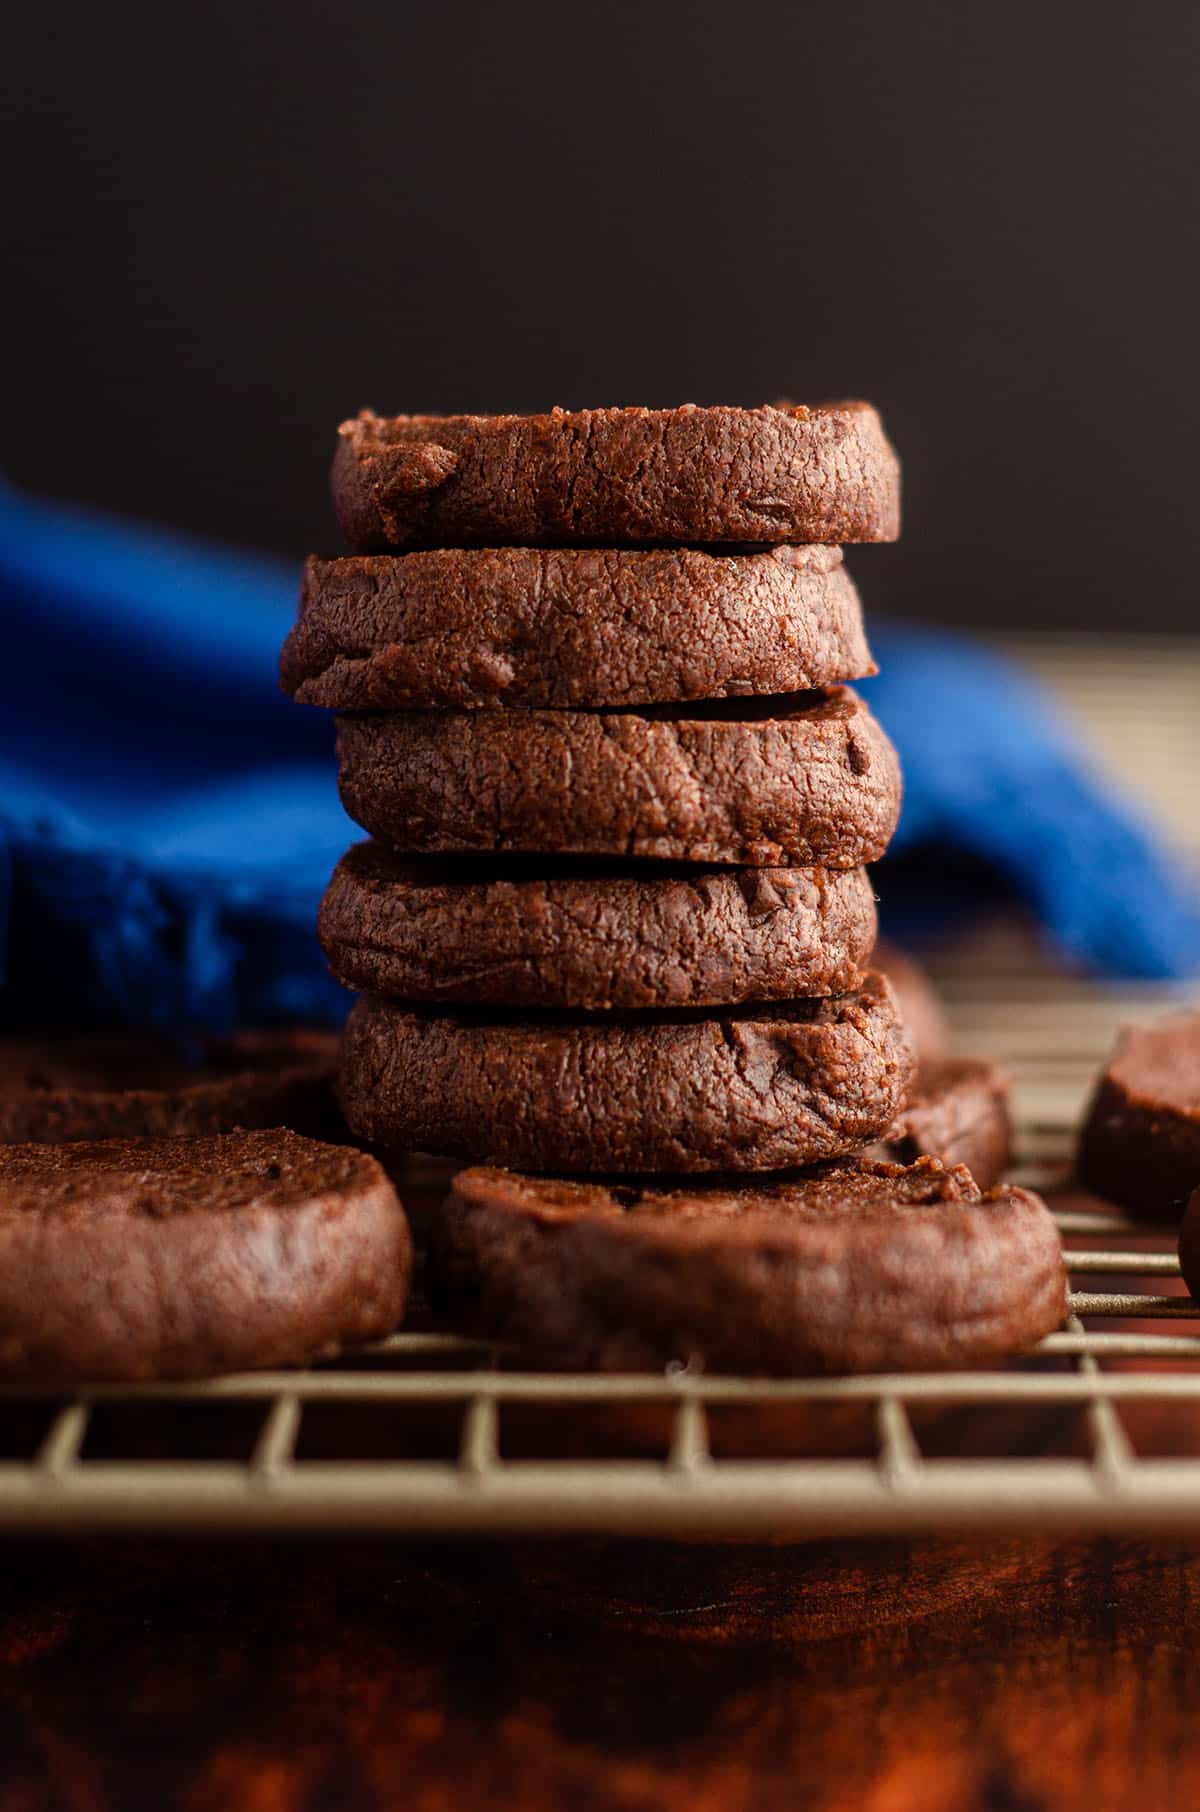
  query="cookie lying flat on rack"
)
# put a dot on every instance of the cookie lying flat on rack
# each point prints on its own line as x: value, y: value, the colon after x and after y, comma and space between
x: 755, y: 1088
x: 958, y: 1112
x: 600, y: 476
x: 131, y: 1085
x: 857, y: 1267
x: 1140, y: 1144
x: 175, y: 1258
x: 540, y: 931
x: 457, y: 628
x: 767, y: 782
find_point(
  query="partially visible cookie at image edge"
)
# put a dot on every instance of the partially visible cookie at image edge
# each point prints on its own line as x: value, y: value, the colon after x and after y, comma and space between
x: 139, y: 1259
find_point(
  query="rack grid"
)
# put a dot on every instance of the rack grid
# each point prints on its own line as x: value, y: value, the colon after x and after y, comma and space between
x: 1067, y: 1456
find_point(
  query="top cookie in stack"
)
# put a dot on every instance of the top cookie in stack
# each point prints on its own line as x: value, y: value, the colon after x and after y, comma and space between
x: 616, y: 918
x: 617, y: 477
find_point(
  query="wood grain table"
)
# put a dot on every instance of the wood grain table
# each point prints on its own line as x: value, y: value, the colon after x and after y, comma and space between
x: 880, y: 1678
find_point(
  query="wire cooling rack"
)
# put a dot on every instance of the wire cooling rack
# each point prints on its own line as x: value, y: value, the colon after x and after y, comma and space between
x: 427, y: 1432
x: 1099, y: 1429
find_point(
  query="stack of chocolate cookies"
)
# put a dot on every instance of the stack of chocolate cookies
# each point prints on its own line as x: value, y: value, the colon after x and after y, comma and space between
x: 615, y: 922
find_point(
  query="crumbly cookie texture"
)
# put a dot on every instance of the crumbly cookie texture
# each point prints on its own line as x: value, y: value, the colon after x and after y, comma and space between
x: 464, y: 629
x: 756, y: 1088
x: 175, y: 1258
x: 617, y: 476
x: 857, y: 1267
x: 765, y: 783
x: 958, y: 1111
x: 539, y: 932
x: 1140, y: 1144
x: 129, y: 1085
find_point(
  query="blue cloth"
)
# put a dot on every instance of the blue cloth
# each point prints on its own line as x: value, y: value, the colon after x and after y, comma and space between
x: 168, y: 819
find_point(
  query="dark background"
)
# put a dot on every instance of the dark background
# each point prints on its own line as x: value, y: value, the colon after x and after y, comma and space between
x: 229, y: 225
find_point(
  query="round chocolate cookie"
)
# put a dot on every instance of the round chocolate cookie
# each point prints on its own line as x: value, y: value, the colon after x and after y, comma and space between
x: 131, y: 1085
x: 595, y: 477
x: 1140, y: 1144
x: 1189, y: 1244
x: 757, y: 1088
x: 919, y: 1002
x: 560, y: 627
x: 858, y: 1267
x: 764, y: 782
x: 541, y: 932
x: 175, y: 1258
x: 957, y: 1111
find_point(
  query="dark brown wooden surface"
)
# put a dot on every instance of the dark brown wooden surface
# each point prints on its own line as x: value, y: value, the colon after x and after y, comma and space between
x: 331, y: 1677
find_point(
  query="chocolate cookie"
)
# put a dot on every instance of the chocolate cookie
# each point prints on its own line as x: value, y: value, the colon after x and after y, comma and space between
x: 531, y: 626
x: 919, y: 1003
x: 145, y: 1085
x: 757, y: 1088
x: 595, y: 477
x: 764, y: 782
x: 542, y: 932
x: 957, y: 1111
x: 858, y: 1267
x: 1189, y: 1244
x: 1140, y: 1144
x: 174, y: 1258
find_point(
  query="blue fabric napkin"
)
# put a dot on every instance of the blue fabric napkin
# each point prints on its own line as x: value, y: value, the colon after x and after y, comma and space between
x: 168, y: 819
